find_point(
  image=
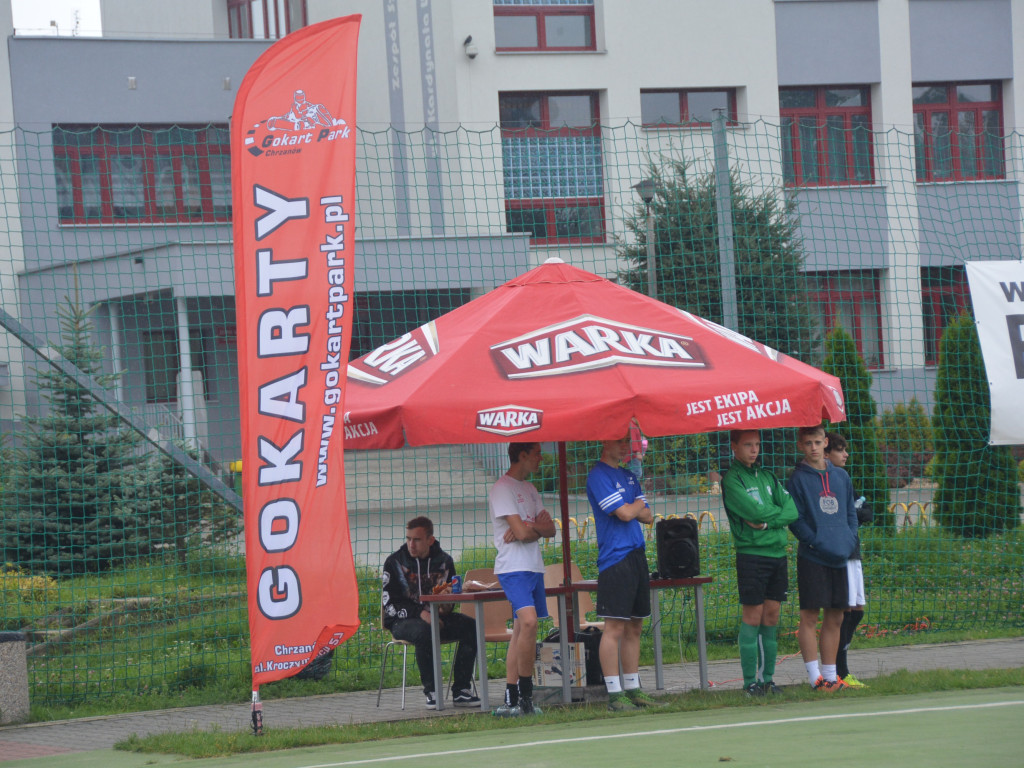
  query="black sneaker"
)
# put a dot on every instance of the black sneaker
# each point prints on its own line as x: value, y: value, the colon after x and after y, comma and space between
x: 771, y: 688
x: 526, y: 706
x: 465, y: 698
x: 754, y: 690
x: 431, y: 701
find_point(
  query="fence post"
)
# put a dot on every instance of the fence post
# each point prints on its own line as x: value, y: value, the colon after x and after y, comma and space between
x: 13, y: 678
x: 723, y: 210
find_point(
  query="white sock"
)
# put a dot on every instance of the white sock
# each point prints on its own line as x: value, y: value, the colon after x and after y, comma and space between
x: 828, y: 671
x: 631, y: 681
x: 612, y: 684
x: 812, y: 671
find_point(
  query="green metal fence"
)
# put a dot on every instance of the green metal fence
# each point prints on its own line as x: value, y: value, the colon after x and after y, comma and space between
x: 122, y: 555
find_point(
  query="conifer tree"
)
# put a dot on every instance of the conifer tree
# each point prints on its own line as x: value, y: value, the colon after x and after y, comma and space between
x: 768, y: 255
x: 977, y: 492
x: 866, y: 467
x: 73, y: 499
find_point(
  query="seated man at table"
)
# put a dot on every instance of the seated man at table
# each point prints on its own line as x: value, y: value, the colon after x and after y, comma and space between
x: 520, y: 522
x: 421, y: 567
x: 623, y: 582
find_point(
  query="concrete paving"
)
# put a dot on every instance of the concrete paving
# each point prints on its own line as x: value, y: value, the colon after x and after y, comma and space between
x: 93, y: 733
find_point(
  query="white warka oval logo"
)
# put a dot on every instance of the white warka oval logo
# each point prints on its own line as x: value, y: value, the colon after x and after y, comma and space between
x: 509, y: 420
x: 587, y: 343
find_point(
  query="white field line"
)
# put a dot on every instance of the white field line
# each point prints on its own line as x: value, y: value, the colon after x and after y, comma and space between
x: 664, y: 731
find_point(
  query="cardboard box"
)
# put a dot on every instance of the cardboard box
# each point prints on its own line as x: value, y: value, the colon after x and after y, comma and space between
x: 547, y: 672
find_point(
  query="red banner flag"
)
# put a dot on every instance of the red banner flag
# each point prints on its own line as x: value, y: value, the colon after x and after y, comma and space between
x: 293, y: 148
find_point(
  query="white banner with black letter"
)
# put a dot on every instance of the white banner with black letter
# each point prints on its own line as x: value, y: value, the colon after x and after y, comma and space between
x: 997, y: 292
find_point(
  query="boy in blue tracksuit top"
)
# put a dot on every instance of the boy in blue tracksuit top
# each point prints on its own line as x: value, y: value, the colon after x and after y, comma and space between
x: 827, y: 531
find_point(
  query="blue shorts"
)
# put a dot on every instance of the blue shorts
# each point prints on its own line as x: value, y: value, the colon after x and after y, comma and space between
x: 525, y: 589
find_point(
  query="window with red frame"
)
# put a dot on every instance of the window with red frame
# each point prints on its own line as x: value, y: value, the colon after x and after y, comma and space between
x: 552, y: 164
x: 108, y: 174
x: 944, y: 296
x: 670, y: 108
x: 958, y: 131
x: 265, y: 19
x: 826, y: 135
x: 544, y: 25
x: 850, y: 300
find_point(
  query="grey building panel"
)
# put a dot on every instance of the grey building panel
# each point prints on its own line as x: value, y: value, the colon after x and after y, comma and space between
x: 842, y: 227
x: 407, y: 264
x: 971, y: 220
x: 960, y: 40
x: 86, y: 80
x: 891, y: 387
x: 834, y: 43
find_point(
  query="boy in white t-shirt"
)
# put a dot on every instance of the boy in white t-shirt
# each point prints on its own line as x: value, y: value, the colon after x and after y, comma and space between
x: 520, y: 521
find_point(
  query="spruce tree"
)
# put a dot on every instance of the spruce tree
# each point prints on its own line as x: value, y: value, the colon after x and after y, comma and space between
x: 866, y: 467
x: 73, y: 502
x: 977, y: 492
x: 768, y: 255
x: 184, y: 512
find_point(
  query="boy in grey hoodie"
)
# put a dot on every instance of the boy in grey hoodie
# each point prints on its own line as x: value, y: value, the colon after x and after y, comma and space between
x: 827, y: 531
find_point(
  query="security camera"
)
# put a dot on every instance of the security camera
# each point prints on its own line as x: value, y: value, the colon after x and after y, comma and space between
x: 471, y: 50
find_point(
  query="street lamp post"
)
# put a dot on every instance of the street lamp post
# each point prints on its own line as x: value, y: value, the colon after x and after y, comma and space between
x: 646, y: 188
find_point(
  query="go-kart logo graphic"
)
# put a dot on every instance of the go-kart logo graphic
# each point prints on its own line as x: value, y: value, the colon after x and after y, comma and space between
x: 288, y: 132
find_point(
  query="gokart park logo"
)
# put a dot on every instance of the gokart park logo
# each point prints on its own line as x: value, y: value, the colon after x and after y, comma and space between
x: 587, y: 343
x: 304, y: 124
x: 509, y: 420
x: 389, y: 361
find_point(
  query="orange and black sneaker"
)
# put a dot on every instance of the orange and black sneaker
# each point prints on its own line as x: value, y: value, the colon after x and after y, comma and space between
x: 829, y: 686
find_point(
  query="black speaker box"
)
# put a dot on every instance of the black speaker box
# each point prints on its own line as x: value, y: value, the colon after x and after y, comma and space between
x: 678, y: 548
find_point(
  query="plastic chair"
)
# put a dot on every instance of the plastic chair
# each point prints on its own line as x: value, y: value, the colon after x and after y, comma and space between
x: 497, y: 613
x: 553, y: 575
x: 405, y: 644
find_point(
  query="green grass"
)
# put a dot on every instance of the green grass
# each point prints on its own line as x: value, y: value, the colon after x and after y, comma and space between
x: 202, y: 744
x: 187, y: 642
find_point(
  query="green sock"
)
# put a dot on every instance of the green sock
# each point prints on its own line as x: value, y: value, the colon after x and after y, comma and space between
x: 748, y: 653
x: 769, y: 643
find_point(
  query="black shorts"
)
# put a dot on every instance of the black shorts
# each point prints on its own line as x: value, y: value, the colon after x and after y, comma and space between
x: 821, y: 586
x: 624, y: 589
x: 760, y: 578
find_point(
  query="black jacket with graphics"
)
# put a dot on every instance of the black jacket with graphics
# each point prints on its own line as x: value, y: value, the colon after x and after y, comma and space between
x: 407, y: 577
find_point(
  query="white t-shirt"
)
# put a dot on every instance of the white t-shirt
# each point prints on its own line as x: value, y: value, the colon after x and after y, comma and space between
x: 509, y: 496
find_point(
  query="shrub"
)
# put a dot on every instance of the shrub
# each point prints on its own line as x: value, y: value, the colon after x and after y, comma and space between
x: 905, y: 437
x: 18, y: 586
x: 977, y: 493
x: 865, y: 465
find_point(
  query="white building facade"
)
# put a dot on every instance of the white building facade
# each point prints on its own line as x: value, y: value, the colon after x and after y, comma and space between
x: 497, y: 133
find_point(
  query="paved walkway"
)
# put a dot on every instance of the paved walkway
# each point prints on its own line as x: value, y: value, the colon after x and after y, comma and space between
x: 92, y: 733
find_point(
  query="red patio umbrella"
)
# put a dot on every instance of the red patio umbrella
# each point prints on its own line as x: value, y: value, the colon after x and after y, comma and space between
x: 561, y: 354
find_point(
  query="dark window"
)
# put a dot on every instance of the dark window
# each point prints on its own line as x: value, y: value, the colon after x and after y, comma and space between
x: 544, y: 25
x: 958, y: 131
x: 850, y: 300
x: 108, y: 174
x: 551, y: 156
x: 161, y: 363
x: 382, y: 316
x: 944, y: 296
x: 669, y: 108
x: 826, y: 135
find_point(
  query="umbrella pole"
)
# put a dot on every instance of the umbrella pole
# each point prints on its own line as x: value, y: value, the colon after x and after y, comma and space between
x: 563, y: 499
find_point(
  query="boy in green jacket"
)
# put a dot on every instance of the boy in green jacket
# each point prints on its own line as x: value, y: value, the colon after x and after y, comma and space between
x: 759, y: 508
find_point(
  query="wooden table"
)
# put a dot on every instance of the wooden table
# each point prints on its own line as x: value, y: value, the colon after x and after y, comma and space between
x: 478, y: 599
x: 697, y: 584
